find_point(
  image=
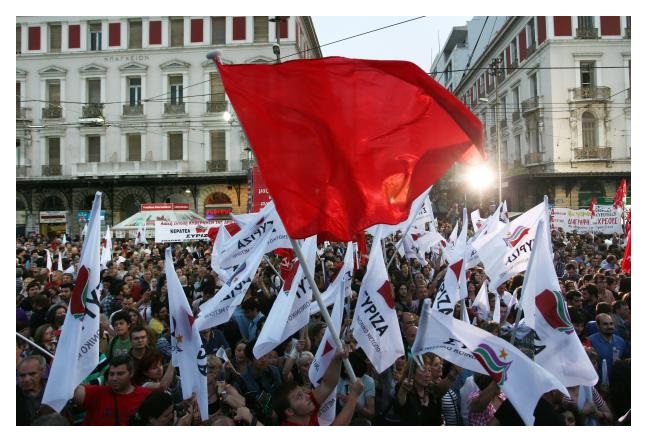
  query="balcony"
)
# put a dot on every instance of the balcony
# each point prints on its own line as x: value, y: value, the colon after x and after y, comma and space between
x: 213, y: 166
x: 52, y: 170
x: 21, y: 171
x: 515, y: 116
x: 92, y: 110
x: 627, y: 33
x: 174, y: 108
x: 133, y: 168
x: 587, y: 33
x: 216, y: 106
x: 53, y: 112
x: 130, y: 110
x: 593, y: 153
x: 247, y: 163
x: 534, y: 158
x: 590, y: 93
x: 21, y: 113
x: 503, y: 123
x: 530, y: 105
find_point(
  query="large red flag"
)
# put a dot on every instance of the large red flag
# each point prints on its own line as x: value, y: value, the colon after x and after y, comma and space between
x: 626, y: 261
x: 344, y: 144
x: 620, y: 194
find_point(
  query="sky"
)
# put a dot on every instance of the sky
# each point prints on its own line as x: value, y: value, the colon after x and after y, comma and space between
x: 415, y: 40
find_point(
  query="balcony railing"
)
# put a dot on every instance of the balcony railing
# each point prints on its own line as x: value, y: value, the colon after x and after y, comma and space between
x: 21, y: 113
x: 594, y: 93
x: 533, y: 158
x: 174, y: 108
x: 52, y: 170
x: 216, y: 106
x: 133, y: 109
x: 93, y: 110
x: 593, y: 153
x: 515, y: 116
x: 216, y: 165
x: 53, y: 112
x: 529, y: 105
x: 587, y: 33
x: 247, y: 163
x: 21, y: 171
x: 627, y: 33
x: 131, y: 168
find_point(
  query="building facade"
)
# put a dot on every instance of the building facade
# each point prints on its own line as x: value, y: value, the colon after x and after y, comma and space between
x: 132, y: 107
x: 553, y: 94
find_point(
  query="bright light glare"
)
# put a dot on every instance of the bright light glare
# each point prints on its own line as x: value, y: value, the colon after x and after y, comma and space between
x: 480, y: 177
x: 226, y: 115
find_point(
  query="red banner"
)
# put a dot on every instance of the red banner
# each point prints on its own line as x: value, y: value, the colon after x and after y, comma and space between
x: 163, y: 206
x: 259, y: 192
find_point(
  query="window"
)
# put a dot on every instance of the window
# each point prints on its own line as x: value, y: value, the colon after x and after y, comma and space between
x: 134, y: 34
x: 176, y: 89
x: 218, y: 145
x: 95, y: 36
x: 589, y: 130
x: 53, y: 151
x: 34, y: 38
x: 134, y: 147
x: 261, y: 29
x: 197, y: 30
x: 114, y: 34
x: 517, y: 147
x: 239, y: 28
x: 218, y: 30
x: 175, y: 150
x: 94, y: 91
x: 54, y: 38
x: 177, y: 32
x: 93, y: 148
x: 54, y: 92
x: 514, y: 52
x: 154, y: 32
x: 587, y: 74
x: 281, y: 27
x: 134, y: 91
x: 18, y: 39
x: 585, y: 22
x: 531, y: 40
x: 533, y: 86
x: 74, y: 36
x: 516, y: 103
x: 448, y: 72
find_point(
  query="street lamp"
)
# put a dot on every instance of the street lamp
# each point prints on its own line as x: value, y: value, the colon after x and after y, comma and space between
x: 276, y: 47
x: 495, y: 71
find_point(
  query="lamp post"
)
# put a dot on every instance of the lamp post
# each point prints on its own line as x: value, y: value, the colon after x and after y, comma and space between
x: 276, y: 48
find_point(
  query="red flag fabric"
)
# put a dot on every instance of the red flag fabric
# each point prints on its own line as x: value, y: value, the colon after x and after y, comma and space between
x: 344, y: 144
x: 362, y: 248
x: 626, y: 262
x: 620, y: 194
x: 593, y: 204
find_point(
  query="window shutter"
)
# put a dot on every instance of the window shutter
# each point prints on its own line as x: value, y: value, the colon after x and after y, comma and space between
x: 283, y: 30
x: 34, y: 38
x: 197, y: 30
x: 218, y: 30
x: 509, y: 61
x: 542, y: 29
x: 522, y: 46
x: 239, y: 28
x: 261, y: 29
x: 610, y: 26
x: 154, y: 32
x: 74, y: 36
x: 562, y: 26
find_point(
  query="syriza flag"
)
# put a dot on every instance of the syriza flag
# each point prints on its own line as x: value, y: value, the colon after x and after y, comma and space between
x: 375, y: 325
x: 106, y: 248
x: 557, y: 346
x: 291, y: 309
x: 219, y: 309
x: 78, y: 348
x: 340, y: 285
x: 188, y: 352
x: 326, y: 350
x: 522, y: 380
x: 141, y: 234
x: 220, y: 240
x: 454, y: 286
x: 507, y: 252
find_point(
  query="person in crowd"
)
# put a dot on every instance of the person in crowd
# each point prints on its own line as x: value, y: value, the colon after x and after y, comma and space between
x: 365, y: 407
x: 608, y: 345
x: 30, y: 388
x: 120, y: 343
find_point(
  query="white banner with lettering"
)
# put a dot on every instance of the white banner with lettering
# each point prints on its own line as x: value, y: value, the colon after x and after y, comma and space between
x: 607, y: 220
x: 180, y: 231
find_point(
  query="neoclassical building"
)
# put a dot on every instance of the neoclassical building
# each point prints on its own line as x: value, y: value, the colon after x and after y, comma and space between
x: 132, y: 107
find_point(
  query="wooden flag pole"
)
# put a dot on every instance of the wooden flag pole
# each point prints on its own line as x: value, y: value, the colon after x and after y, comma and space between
x: 324, y: 313
x: 35, y: 345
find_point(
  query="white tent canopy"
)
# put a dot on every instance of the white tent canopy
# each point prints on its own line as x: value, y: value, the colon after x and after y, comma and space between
x: 149, y: 213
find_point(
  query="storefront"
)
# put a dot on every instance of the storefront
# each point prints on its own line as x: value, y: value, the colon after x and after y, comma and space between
x: 53, y: 224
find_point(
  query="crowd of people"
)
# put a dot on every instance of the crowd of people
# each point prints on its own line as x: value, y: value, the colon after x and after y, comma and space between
x: 136, y: 384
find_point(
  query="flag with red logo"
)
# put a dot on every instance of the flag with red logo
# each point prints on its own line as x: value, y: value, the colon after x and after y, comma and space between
x: 620, y: 194
x: 375, y: 325
x: 625, y: 261
x: 291, y: 309
x: 77, y: 353
x: 187, y: 351
x: 557, y: 346
x: 593, y: 206
x: 454, y: 286
x: 341, y: 284
x: 328, y: 126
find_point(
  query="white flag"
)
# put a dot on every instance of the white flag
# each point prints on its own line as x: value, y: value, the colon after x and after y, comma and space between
x: 507, y: 252
x: 222, y: 354
x: 188, y: 352
x: 106, y: 249
x: 375, y: 325
x: 48, y: 262
x: 340, y: 285
x: 60, y: 261
x: 220, y: 240
x: 64, y: 239
x: 84, y: 232
x: 481, y: 302
x: 221, y: 307
x: 290, y: 311
x: 78, y: 348
x: 141, y: 234
x: 522, y: 380
x: 558, y: 348
x: 417, y: 211
x: 323, y: 357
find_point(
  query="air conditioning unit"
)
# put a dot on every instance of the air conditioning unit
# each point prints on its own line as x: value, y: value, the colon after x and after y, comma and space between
x: 96, y: 121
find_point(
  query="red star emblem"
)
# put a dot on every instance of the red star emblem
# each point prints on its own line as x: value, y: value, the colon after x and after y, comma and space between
x: 387, y: 293
x: 457, y: 267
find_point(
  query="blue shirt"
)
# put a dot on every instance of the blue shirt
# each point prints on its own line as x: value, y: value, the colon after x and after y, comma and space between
x: 606, y: 350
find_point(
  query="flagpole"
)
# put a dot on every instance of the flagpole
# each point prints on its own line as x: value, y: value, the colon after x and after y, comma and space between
x: 35, y: 345
x: 324, y: 313
x: 273, y: 268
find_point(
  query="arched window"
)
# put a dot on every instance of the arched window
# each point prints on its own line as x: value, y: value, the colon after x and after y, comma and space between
x: 589, y: 127
x: 52, y: 203
x: 129, y: 206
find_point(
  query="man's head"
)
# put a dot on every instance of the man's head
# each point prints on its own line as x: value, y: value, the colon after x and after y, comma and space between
x: 30, y: 375
x: 621, y: 308
x: 139, y: 337
x: 120, y: 374
x: 33, y: 288
x: 250, y: 308
x: 590, y: 294
x: 574, y: 299
x: 605, y: 324
x: 65, y: 292
x: 291, y: 401
x: 121, y: 322
x: 410, y: 333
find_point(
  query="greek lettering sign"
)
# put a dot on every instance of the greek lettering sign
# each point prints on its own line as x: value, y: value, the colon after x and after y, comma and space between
x: 180, y: 231
x: 607, y: 220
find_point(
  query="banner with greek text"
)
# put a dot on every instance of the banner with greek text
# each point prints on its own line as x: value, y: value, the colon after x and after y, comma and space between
x: 607, y: 220
x: 180, y: 231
